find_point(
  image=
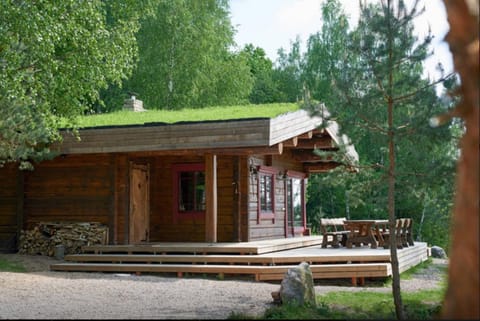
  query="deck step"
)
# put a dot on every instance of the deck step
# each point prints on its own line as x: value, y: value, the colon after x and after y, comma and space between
x: 178, y: 258
x: 251, y: 248
x: 263, y: 273
x: 208, y: 259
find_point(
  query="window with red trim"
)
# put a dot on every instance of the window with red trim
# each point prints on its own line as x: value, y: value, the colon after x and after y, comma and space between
x: 266, y: 192
x: 189, y: 190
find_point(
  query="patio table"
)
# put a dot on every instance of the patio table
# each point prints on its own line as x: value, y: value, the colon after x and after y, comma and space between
x: 364, y: 232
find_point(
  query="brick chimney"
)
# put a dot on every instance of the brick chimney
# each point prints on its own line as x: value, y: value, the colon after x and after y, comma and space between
x: 133, y: 104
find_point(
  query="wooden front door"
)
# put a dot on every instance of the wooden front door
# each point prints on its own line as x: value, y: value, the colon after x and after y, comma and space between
x: 139, y: 217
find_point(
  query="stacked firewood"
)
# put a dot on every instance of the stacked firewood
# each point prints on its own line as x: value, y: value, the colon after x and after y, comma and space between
x: 46, y: 236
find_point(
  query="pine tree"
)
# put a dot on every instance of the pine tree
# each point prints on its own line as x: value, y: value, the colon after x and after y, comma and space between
x: 382, y: 101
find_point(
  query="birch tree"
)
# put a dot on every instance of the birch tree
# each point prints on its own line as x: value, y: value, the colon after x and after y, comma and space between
x: 55, y: 56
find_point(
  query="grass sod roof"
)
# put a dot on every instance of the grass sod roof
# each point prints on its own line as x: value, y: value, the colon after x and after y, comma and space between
x: 127, y: 117
x: 228, y: 126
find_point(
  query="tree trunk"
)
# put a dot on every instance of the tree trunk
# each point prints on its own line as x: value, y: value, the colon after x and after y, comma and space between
x: 462, y: 297
x: 397, y: 295
x: 420, y: 226
x: 347, y: 205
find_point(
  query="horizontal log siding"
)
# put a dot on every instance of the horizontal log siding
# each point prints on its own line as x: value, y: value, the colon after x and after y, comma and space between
x: 267, y: 229
x: 80, y: 188
x: 163, y: 227
x: 8, y: 207
x: 169, y: 137
x: 243, y: 190
x: 225, y: 204
x: 69, y: 188
x: 121, y: 206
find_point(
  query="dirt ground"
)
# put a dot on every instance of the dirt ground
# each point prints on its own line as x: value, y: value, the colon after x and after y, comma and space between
x: 44, y: 294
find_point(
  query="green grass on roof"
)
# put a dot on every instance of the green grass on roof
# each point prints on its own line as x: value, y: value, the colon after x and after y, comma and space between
x: 126, y: 117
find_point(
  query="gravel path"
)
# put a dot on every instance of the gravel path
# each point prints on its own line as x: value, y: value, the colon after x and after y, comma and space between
x: 44, y: 294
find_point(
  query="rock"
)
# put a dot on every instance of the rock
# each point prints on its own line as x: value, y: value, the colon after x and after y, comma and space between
x: 297, y: 287
x: 438, y: 252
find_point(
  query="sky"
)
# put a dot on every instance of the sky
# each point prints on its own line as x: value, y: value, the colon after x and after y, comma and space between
x: 274, y: 24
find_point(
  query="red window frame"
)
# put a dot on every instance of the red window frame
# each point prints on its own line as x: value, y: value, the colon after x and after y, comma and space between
x: 177, y: 169
x: 262, y: 173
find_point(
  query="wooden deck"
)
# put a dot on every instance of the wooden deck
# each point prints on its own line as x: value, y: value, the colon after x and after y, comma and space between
x: 265, y: 260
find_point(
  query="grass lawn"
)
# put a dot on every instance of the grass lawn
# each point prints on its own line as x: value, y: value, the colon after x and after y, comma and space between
x: 347, y: 305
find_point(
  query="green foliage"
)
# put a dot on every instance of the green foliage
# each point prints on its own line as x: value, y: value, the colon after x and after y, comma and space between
x: 188, y: 114
x: 324, y: 51
x: 185, y: 59
x: 264, y: 89
x: 287, y: 74
x: 55, y: 56
x: 355, y: 80
x: 25, y: 132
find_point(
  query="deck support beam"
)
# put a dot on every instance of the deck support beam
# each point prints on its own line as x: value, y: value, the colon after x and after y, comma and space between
x: 211, y: 198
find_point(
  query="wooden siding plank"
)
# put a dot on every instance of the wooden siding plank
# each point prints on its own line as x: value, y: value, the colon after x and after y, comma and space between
x: 9, y: 207
x: 175, y: 136
x: 10, y: 221
x: 20, y: 204
x: 237, y: 200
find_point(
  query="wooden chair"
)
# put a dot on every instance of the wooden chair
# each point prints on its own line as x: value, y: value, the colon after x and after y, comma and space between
x: 380, y: 230
x: 397, y: 234
x: 333, y: 232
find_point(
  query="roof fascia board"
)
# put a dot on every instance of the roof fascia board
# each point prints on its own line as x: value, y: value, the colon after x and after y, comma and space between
x: 292, y: 124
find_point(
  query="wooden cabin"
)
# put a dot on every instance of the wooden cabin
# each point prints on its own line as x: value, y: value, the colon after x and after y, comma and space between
x: 212, y: 181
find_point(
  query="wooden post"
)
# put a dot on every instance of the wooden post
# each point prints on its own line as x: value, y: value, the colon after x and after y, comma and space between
x: 211, y: 198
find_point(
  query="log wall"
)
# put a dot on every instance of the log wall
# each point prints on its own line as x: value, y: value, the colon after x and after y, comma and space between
x: 164, y: 227
x: 268, y: 228
x: 95, y: 188
x: 73, y: 188
x: 10, y: 187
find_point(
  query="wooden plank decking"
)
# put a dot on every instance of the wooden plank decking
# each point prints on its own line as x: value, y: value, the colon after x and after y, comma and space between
x: 265, y: 260
x: 257, y: 247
